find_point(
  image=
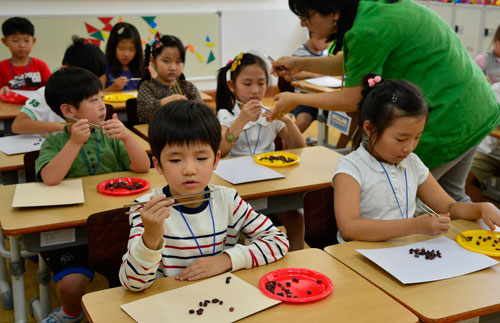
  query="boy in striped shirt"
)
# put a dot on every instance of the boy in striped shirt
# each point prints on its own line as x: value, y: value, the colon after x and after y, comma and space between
x: 200, y: 239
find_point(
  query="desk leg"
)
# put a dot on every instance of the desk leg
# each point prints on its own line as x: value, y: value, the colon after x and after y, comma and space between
x: 321, y: 127
x: 40, y: 307
x: 16, y: 267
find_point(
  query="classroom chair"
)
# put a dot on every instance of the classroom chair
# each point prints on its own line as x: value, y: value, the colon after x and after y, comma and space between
x: 319, y: 218
x: 132, y: 119
x: 284, y: 85
x: 29, y: 165
x: 109, y: 111
x: 107, y: 235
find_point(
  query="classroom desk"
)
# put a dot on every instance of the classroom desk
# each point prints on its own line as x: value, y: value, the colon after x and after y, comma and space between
x: 448, y: 300
x: 350, y: 293
x: 16, y: 162
x: 9, y: 110
x: 322, y: 127
x: 314, y: 171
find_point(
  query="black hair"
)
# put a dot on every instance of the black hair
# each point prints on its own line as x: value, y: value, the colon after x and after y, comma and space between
x: 346, y: 8
x: 17, y: 25
x: 120, y: 31
x: 87, y: 56
x: 165, y: 41
x: 385, y: 101
x: 224, y: 98
x: 70, y: 85
x: 497, y: 34
x: 183, y: 122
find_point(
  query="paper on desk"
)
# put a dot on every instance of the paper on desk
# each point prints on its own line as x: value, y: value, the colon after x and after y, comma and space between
x: 485, y: 227
x: 28, y: 94
x: 244, y: 170
x: 39, y: 194
x: 174, y: 305
x: 456, y: 261
x: 327, y: 81
x: 20, y: 144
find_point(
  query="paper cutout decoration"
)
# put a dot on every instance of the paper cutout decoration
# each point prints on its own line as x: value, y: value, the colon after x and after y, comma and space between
x: 149, y: 20
x: 153, y: 24
x: 96, y: 42
x: 211, y: 57
x: 105, y: 20
x: 108, y: 27
x: 210, y: 44
x: 105, y: 34
x: 200, y: 57
x: 120, y: 19
x: 207, y: 39
x: 90, y: 29
x: 143, y: 42
x: 152, y: 30
x: 97, y: 35
x: 191, y: 48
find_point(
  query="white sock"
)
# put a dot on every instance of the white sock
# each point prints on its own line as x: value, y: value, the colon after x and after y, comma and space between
x: 60, y: 316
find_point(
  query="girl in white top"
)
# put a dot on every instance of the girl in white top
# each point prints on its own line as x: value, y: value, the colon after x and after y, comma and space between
x: 239, y: 109
x: 377, y: 184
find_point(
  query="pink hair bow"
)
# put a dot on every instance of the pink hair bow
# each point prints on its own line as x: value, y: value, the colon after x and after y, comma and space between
x: 157, y: 41
x: 374, y: 80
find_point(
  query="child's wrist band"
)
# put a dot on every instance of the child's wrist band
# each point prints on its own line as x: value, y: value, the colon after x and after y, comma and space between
x: 230, y: 138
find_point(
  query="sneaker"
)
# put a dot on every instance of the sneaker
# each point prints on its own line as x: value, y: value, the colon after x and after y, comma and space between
x: 60, y: 316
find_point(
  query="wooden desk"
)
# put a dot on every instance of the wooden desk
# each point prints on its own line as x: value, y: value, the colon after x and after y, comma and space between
x: 446, y: 300
x: 121, y: 106
x: 314, y: 171
x: 350, y: 294
x: 142, y: 130
x: 313, y: 87
x: 9, y: 110
x: 16, y: 162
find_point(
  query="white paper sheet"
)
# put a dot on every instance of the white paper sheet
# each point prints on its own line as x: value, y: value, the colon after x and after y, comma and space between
x: 327, y: 81
x: 174, y: 305
x: 456, y: 261
x: 20, y: 144
x: 244, y: 170
x: 485, y: 227
x: 28, y: 94
x: 39, y: 194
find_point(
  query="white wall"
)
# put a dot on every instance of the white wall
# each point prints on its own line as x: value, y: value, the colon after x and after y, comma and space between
x: 264, y: 25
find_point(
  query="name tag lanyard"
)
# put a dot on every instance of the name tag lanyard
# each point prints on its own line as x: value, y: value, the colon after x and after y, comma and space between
x: 394, y: 192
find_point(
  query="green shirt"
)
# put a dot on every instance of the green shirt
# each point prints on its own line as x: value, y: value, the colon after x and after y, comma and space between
x: 405, y: 40
x: 113, y: 156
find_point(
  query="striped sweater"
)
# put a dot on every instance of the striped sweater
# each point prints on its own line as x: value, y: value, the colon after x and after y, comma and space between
x: 141, y: 266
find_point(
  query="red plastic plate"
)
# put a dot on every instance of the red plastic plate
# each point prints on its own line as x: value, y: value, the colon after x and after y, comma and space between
x: 13, y: 97
x: 311, y: 285
x: 101, y: 187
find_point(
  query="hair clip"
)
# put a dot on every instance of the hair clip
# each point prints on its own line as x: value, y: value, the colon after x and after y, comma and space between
x: 157, y: 42
x: 120, y: 30
x: 394, y: 98
x: 236, y: 62
x: 374, y: 80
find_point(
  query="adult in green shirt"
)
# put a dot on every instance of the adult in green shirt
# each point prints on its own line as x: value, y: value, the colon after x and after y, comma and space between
x: 401, y: 40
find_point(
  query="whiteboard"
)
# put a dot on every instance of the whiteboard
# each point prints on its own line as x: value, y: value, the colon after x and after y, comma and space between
x: 54, y: 34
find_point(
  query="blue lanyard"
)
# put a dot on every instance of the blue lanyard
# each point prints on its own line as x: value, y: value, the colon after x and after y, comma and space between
x: 192, y: 234
x: 256, y: 144
x: 394, y: 192
x: 24, y: 75
x: 85, y: 159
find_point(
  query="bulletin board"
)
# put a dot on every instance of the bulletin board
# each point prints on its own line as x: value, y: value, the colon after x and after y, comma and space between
x: 199, y: 33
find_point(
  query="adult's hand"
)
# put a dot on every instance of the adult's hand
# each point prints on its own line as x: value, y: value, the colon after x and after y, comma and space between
x: 285, y: 65
x: 285, y: 102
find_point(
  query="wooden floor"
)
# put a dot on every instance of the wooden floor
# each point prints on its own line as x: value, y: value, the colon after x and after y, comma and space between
x: 99, y: 282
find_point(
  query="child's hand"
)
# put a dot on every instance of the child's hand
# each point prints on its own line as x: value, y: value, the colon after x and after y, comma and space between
x: 432, y: 225
x: 490, y: 215
x: 206, y: 267
x: 80, y: 132
x: 115, y: 129
x: 251, y: 110
x: 171, y: 98
x: 4, y: 90
x: 119, y: 83
x: 154, y: 213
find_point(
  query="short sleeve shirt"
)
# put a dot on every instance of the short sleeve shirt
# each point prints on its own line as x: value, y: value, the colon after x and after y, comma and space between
x: 377, y: 200
x: 37, y: 108
x: 29, y: 77
x: 113, y: 156
x: 256, y: 138
x: 405, y: 40
x: 131, y: 84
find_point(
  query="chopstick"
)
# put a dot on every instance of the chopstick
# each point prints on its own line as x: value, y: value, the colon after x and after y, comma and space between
x: 427, y: 209
x: 175, y: 204
x: 89, y: 123
x: 172, y: 197
x: 281, y: 68
x: 245, y: 98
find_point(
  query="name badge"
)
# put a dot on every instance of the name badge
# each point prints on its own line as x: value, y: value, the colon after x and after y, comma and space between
x: 340, y: 121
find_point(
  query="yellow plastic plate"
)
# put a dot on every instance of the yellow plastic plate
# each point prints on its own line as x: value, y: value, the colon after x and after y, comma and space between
x: 481, y: 241
x: 114, y: 98
x: 277, y: 159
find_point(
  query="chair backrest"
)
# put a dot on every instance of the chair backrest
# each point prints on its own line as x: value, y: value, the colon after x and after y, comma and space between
x: 107, y: 234
x: 29, y: 165
x: 109, y: 111
x: 284, y: 85
x: 132, y: 118
x: 319, y: 218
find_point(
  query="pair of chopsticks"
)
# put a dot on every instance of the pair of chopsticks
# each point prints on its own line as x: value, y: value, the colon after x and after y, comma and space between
x: 93, y: 125
x: 281, y: 68
x: 245, y: 98
x: 175, y: 198
x: 427, y: 209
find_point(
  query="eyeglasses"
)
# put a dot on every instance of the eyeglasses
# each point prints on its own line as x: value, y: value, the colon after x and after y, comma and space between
x: 306, y: 18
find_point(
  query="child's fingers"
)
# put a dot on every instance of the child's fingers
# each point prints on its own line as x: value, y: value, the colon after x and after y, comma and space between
x: 192, y: 272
